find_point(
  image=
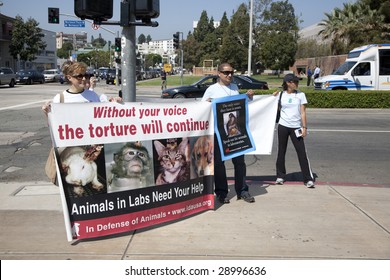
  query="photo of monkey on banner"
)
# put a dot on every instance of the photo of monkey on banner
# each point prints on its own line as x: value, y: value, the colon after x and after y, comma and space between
x: 129, y: 166
x: 231, y: 126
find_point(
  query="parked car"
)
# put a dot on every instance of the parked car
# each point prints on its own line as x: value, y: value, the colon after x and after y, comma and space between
x: 7, y: 76
x: 111, y: 76
x: 197, y: 89
x: 52, y: 75
x: 29, y: 77
x: 103, y: 72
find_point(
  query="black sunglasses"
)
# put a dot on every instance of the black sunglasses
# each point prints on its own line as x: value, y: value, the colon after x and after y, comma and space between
x: 80, y: 76
x: 227, y: 73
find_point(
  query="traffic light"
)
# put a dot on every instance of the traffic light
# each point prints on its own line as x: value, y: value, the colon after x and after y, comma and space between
x: 97, y: 10
x: 147, y: 9
x: 54, y: 15
x: 176, y: 40
x: 118, y: 47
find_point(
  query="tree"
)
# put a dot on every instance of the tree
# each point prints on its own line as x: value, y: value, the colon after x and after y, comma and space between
x: 26, y: 39
x: 95, y: 58
x: 151, y: 60
x: 65, y: 51
x: 141, y: 39
x: 223, y: 25
x: 234, y: 49
x: 355, y: 25
x: 203, y: 28
x: 99, y: 43
x: 277, y: 36
x: 190, y: 50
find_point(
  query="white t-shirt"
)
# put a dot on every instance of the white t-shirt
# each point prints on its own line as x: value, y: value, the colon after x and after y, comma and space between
x: 290, y: 115
x: 84, y: 97
x: 217, y: 91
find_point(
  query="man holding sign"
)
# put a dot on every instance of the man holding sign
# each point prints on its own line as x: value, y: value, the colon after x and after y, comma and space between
x: 225, y: 88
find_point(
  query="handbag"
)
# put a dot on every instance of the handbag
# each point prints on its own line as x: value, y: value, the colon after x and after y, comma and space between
x: 50, y: 167
x: 279, y: 107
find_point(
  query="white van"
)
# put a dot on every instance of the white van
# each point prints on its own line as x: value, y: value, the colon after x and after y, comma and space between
x: 366, y: 68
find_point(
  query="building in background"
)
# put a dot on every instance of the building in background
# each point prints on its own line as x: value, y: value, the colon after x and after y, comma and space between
x: 6, y: 60
x: 78, y: 40
x: 45, y: 59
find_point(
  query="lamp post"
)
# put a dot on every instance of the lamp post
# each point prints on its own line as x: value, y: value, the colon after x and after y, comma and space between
x: 250, y: 40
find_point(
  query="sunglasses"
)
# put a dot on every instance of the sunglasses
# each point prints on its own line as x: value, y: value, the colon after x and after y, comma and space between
x: 227, y: 73
x: 81, y: 76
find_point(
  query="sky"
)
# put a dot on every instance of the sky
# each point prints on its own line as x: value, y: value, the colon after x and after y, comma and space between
x: 175, y: 15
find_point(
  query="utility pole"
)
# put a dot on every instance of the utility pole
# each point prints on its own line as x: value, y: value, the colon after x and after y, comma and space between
x: 250, y: 40
x: 181, y: 58
x: 129, y: 59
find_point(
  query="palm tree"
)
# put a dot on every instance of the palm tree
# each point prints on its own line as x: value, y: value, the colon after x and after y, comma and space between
x: 353, y: 25
x: 334, y: 29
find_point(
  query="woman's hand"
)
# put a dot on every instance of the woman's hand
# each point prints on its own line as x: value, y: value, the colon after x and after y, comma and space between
x: 46, y: 108
x: 304, y: 131
x: 115, y: 99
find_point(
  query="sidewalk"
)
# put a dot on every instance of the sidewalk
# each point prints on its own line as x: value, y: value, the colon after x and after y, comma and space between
x: 285, y: 222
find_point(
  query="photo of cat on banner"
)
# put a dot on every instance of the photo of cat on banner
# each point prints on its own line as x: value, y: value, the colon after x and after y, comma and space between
x: 231, y: 126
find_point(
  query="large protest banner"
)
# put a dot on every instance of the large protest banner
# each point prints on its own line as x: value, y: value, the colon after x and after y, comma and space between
x: 127, y: 166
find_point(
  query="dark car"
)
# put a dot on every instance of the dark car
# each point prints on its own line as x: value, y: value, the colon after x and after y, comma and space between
x: 103, y: 72
x: 29, y: 77
x: 197, y: 89
x: 111, y: 76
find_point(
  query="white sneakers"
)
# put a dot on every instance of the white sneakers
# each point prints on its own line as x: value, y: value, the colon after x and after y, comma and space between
x: 280, y: 181
x: 310, y: 184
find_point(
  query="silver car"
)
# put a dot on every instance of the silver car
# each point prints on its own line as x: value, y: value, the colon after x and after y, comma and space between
x: 52, y: 75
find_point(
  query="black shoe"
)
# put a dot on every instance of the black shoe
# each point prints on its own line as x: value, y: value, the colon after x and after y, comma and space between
x: 246, y: 196
x: 223, y: 199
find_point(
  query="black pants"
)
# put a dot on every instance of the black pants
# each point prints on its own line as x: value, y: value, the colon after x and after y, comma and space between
x: 283, y: 134
x: 308, y: 80
x: 220, y: 179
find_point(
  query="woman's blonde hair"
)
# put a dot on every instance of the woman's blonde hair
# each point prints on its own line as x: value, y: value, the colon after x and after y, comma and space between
x: 69, y: 68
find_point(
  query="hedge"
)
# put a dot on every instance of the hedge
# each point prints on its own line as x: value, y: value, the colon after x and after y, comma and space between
x: 344, y: 98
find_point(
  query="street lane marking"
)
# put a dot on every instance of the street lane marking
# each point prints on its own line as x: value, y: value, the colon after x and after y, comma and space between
x: 346, y: 130
x: 24, y: 104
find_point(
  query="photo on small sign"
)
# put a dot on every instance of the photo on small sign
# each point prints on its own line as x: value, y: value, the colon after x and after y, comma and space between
x: 231, y: 126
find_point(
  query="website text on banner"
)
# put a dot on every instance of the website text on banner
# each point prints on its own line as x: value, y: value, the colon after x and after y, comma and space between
x: 128, y: 166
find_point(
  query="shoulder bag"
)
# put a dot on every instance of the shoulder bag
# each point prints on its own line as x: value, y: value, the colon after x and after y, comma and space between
x: 50, y: 167
x: 279, y: 107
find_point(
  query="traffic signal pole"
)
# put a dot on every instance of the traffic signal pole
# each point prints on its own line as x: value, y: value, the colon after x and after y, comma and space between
x: 129, y: 59
x: 131, y: 11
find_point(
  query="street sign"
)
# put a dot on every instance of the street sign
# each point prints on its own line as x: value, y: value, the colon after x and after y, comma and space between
x: 167, y: 67
x: 74, y: 23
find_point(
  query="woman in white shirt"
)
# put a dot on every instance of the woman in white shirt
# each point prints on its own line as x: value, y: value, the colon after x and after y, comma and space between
x: 293, y: 124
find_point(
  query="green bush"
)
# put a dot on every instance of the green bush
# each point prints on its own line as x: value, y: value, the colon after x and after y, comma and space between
x: 344, y: 98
